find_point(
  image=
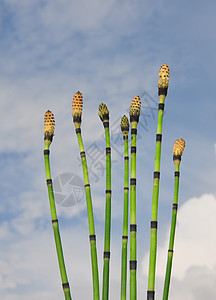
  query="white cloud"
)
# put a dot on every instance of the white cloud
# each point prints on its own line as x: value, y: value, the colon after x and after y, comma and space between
x: 194, y: 249
x: 197, y: 284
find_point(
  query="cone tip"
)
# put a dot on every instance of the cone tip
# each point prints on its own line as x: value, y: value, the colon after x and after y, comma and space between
x: 49, y: 125
x: 124, y: 125
x: 77, y: 104
x: 164, y: 75
x: 179, y: 146
x: 135, y: 107
x: 103, y: 112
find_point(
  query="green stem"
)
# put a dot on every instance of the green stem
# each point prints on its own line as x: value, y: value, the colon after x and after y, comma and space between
x: 58, y: 244
x: 153, y: 242
x: 105, y: 291
x: 133, y: 261
x: 125, y: 222
x: 172, y: 235
x: 92, y: 235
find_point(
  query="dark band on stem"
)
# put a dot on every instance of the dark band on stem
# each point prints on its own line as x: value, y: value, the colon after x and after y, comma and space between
x: 78, y: 130
x: 48, y: 136
x: 126, y: 158
x: 125, y: 128
x: 106, y: 123
x: 170, y: 250
x: 162, y: 91
x: 175, y: 206
x: 105, y: 117
x: 125, y: 237
x: 133, y: 264
x: 150, y: 295
x: 134, y: 118
x: 87, y: 185
x: 77, y: 119
x: 154, y: 224
x: 133, y: 131
x: 133, y: 149
x: 65, y: 285
x: 92, y: 237
x: 133, y: 227
x: 82, y: 154
x: 49, y: 181
x: 108, y: 192
x: 161, y: 106
x: 126, y: 188
x: 177, y: 174
x: 108, y: 150
x: 106, y: 254
x: 133, y: 181
x: 46, y: 152
x: 158, y: 137
x: 55, y: 221
x: 176, y: 157
x: 157, y: 175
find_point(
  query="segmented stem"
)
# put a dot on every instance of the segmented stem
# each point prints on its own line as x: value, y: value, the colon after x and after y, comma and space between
x: 58, y: 244
x: 178, y: 149
x: 105, y: 292
x: 172, y: 235
x: 125, y: 128
x: 77, y: 106
x: 104, y: 116
x: 92, y: 236
x: 133, y: 226
x: 162, y: 92
x: 134, y: 119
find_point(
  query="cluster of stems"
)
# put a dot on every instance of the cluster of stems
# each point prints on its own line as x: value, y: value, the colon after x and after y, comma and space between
x: 49, y: 124
x: 104, y: 116
x: 178, y: 148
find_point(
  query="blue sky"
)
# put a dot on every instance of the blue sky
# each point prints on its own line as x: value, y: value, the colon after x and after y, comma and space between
x: 111, y: 51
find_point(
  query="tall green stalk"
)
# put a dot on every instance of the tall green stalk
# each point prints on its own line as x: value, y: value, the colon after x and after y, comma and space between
x: 134, y: 119
x: 49, y: 124
x: 162, y: 92
x: 125, y: 130
x: 177, y: 153
x: 77, y: 112
x: 104, y: 116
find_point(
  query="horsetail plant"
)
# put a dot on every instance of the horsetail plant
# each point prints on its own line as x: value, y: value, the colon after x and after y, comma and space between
x: 134, y: 119
x: 77, y: 106
x: 49, y: 126
x: 162, y: 92
x: 104, y: 116
x: 178, y: 149
x: 125, y: 130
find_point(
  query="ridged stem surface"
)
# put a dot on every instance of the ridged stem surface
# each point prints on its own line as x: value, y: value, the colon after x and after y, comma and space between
x: 105, y: 291
x: 172, y: 235
x: 125, y: 222
x: 92, y: 236
x: 153, y: 241
x: 133, y: 262
x: 56, y: 232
